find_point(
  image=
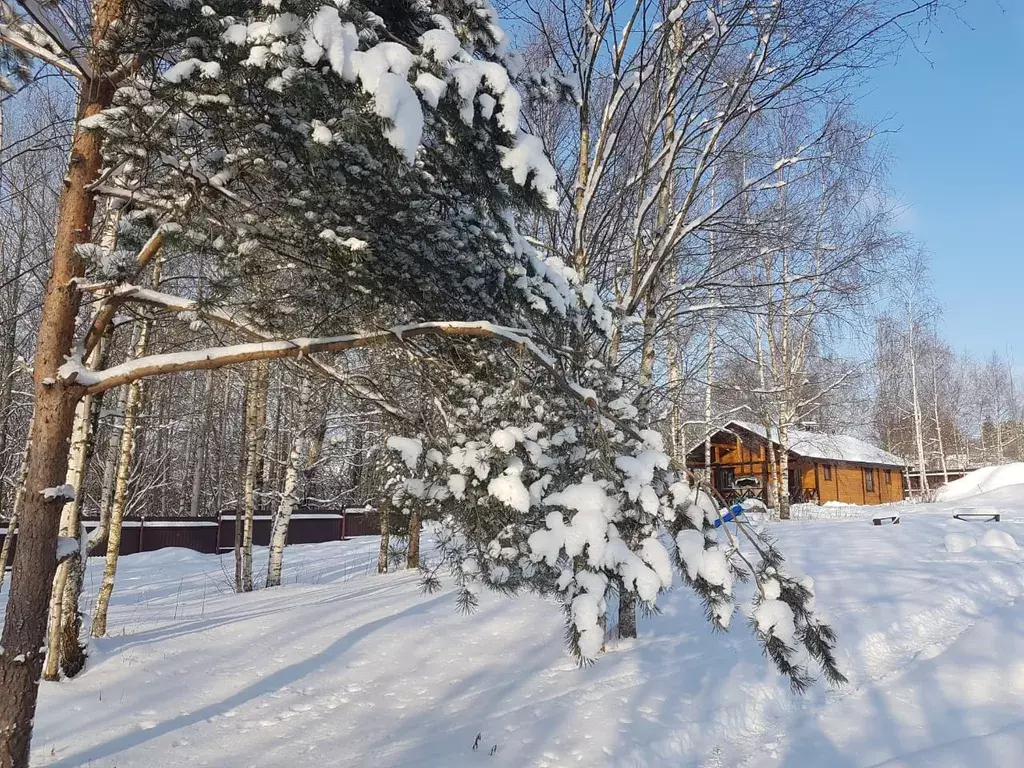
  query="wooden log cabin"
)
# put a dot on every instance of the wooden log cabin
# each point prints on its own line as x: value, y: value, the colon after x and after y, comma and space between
x: 822, y: 467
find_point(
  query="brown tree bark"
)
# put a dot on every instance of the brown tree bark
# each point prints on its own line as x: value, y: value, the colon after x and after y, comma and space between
x: 412, y: 555
x: 36, y: 559
x: 627, y: 614
x: 55, y: 400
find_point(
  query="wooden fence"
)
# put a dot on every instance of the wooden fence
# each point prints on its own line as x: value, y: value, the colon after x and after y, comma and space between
x: 211, y: 536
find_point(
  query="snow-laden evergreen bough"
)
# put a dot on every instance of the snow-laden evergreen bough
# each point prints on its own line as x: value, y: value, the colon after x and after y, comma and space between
x: 339, y: 164
x: 325, y: 152
x: 541, y: 490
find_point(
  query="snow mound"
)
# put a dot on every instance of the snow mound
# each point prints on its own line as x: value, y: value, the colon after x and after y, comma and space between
x: 999, y: 540
x: 982, y: 481
x: 960, y: 542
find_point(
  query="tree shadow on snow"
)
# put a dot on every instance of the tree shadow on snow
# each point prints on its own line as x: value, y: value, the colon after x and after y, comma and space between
x: 276, y: 680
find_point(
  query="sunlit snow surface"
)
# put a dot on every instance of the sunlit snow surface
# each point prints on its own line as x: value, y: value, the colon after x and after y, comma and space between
x: 343, y: 667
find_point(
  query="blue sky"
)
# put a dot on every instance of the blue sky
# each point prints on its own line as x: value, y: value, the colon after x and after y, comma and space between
x: 958, y: 165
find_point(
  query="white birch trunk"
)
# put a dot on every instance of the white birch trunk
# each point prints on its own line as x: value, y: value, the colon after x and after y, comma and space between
x: 385, y: 541
x: 783, y: 470
x: 918, y: 420
x: 69, y: 527
x: 12, y: 523
x: 294, y: 473
x: 676, y: 439
x: 98, y: 538
x: 199, y: 470
x: 258, y: 395
x: 117, y: 507
x: 709, y: 404
x: 938, y: 422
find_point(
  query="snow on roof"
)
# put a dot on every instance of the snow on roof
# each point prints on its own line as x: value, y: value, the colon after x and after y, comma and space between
x: 818, y: 445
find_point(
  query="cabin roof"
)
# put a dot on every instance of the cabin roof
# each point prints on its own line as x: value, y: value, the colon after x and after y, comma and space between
x: 822, y: 446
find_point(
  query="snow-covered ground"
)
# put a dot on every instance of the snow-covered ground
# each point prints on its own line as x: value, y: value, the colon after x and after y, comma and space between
x: 982, y: 480
x: 343, y: 667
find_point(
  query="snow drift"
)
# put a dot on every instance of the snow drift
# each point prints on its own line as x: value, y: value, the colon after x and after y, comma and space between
x: 981, y: 481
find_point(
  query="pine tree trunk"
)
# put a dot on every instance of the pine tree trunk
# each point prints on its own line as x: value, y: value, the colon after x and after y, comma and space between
x: 294, y: 475
x: 627, y: 614
x: 53, y: 416
x: 412, y: 555
x: 117, y: 507
x: 627, y: 599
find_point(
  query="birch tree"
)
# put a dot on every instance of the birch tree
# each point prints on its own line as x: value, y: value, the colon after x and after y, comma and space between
x: 916, y: 307
x: 120, y: 496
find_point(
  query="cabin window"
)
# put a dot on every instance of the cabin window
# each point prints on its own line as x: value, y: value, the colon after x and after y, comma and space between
x: 869, y: 480
x: 888, y: 477
x: 827, y: 469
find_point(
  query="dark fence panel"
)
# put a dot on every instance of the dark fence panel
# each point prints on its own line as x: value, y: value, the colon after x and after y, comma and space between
x: 197, y: 535
x: 360, y: 522
x: 260, y: 531
x: 304, y: 528
x: 314, y: 528
x: 210, y: 536
x: 131, y: 536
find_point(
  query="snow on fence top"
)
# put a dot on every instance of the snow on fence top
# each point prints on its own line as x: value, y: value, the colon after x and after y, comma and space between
x: 311, y: 516
x: 818, y: 445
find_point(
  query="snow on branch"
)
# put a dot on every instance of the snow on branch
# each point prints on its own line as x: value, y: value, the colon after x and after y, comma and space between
x: 74, y: 371
x: 79, y: 61
x: 245, y: 326
x: 10, y: 36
